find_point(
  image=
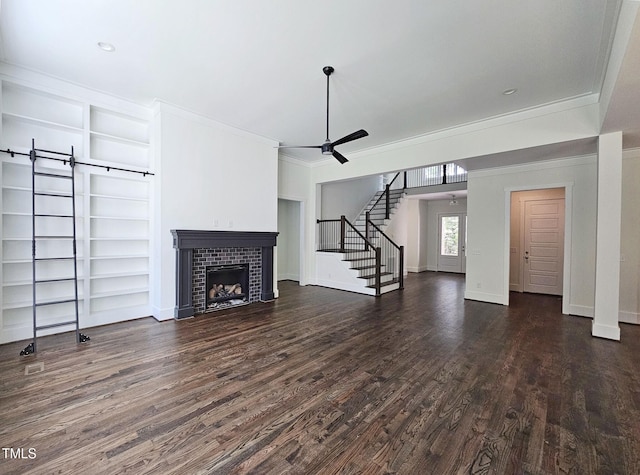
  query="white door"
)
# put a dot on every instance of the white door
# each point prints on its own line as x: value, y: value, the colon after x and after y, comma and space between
x: 451, y: 243
x: 543, y: 246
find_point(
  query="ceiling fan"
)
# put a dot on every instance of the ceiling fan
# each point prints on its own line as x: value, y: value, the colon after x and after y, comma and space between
x: 328, y: 146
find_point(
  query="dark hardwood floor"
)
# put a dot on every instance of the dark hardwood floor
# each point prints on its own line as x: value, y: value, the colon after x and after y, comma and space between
x: 324, y: 381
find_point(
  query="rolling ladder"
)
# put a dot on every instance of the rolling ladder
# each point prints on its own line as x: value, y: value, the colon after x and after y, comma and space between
x: 41, y: 222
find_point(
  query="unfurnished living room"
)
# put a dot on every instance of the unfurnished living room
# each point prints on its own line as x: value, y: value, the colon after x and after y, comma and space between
x: 320, y: 237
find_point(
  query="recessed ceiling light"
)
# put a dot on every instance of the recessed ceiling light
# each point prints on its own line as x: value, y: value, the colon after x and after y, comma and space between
x: 106, y: 46
x: 508, y: 92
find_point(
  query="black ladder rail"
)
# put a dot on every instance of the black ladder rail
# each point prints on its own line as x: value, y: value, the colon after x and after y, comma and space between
x: 80, y: 337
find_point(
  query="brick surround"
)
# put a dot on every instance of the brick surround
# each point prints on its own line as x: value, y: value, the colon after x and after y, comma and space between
x: 202, y: 258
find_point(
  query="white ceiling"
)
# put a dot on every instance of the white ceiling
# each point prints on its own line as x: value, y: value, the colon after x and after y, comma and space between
x: 403, y: 68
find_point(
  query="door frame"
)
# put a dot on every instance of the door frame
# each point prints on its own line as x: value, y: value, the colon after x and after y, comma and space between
x: 301, y: 250
x: 568, y: 206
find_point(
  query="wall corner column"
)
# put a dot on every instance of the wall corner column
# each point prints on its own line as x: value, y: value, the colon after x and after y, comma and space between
x: 609, y: 218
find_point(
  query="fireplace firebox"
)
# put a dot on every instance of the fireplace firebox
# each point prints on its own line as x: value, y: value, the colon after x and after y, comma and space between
x: 226, y: 285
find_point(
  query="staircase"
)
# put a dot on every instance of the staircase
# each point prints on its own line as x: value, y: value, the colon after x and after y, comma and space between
x: 377, y: 209
x: 372, y: 263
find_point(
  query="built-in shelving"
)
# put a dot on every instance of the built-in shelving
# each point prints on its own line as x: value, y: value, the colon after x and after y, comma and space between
x: 118, y: 139
x: 112, y: 208
x: 120, y: 234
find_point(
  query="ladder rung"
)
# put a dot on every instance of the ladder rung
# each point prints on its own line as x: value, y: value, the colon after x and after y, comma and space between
x: 53, y: 237
x: 54, y: 215
x: 53, y: 258
x: 55, y: 175
x: 54, y: 302
x: 41, y: 193
x: 53, y: 325
x: 64, y: 279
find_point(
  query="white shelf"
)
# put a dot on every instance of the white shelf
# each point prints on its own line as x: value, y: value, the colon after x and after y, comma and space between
x: 119, y: 197
x: 122, y: 140
x: 120, y: 239
x: 28, y: 189
x: 18, y: 131
x: 121, y: 218
x: 38, y: 105
x: 119, y: 126
x: 118, y: 152
x: 28, y: 261
x: 11, y: 213
x: 29, y: 303
x: 16, y: 261
x: 41, y: 122
x: 118, y: 293
x: 20, y: 283
x: 119, y: 275
x: 130, y: 256
x: 17, y: 283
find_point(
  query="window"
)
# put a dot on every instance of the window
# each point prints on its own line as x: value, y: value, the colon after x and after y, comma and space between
x: 449, y: 229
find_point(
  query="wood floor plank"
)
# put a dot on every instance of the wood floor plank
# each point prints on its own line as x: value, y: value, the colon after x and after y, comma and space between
x: 324, y: 381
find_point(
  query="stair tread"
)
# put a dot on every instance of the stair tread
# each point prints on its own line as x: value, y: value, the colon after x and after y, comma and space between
x: 372, y: 276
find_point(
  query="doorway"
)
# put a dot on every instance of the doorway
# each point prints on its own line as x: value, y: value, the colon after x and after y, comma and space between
x: 452, y: 242
x: 537, y: 241
x: 289, y: 243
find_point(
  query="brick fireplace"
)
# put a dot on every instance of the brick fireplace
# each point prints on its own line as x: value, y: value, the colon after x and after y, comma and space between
x: 197, y: 250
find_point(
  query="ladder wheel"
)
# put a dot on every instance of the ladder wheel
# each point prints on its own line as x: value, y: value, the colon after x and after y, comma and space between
x: 84, y: 338
x: 28, y: 350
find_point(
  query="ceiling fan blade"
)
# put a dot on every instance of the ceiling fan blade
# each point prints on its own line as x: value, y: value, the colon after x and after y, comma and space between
x: 353, y: 136
x: 299, y: 146
x: 341, y: 158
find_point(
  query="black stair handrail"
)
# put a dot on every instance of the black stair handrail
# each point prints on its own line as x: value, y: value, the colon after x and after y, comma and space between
x: 399, y: 248
x: 368, y: 245
x: 344, y: 222
x: 386, y: 193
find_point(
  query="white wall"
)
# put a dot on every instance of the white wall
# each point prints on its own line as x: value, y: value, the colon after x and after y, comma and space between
x: 416, y: 251
x: 630, y: 230
x: 288, y: 249
x: 398, y: 228
x: 211, y: 177
x: 294, y: 183
x: 348, y: 197
x: 488, y: 228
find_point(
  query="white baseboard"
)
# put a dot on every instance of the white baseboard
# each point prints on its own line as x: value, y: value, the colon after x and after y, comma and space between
x: 484, y: 297
x: 606, y: 331
x: 345, y: 286
x: 581, y: 310
x: 162, y: 314
x: 417, y: 269
x: 629, y: 317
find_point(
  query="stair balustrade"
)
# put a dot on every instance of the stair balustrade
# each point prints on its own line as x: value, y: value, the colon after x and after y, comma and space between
x: 373, y: 252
